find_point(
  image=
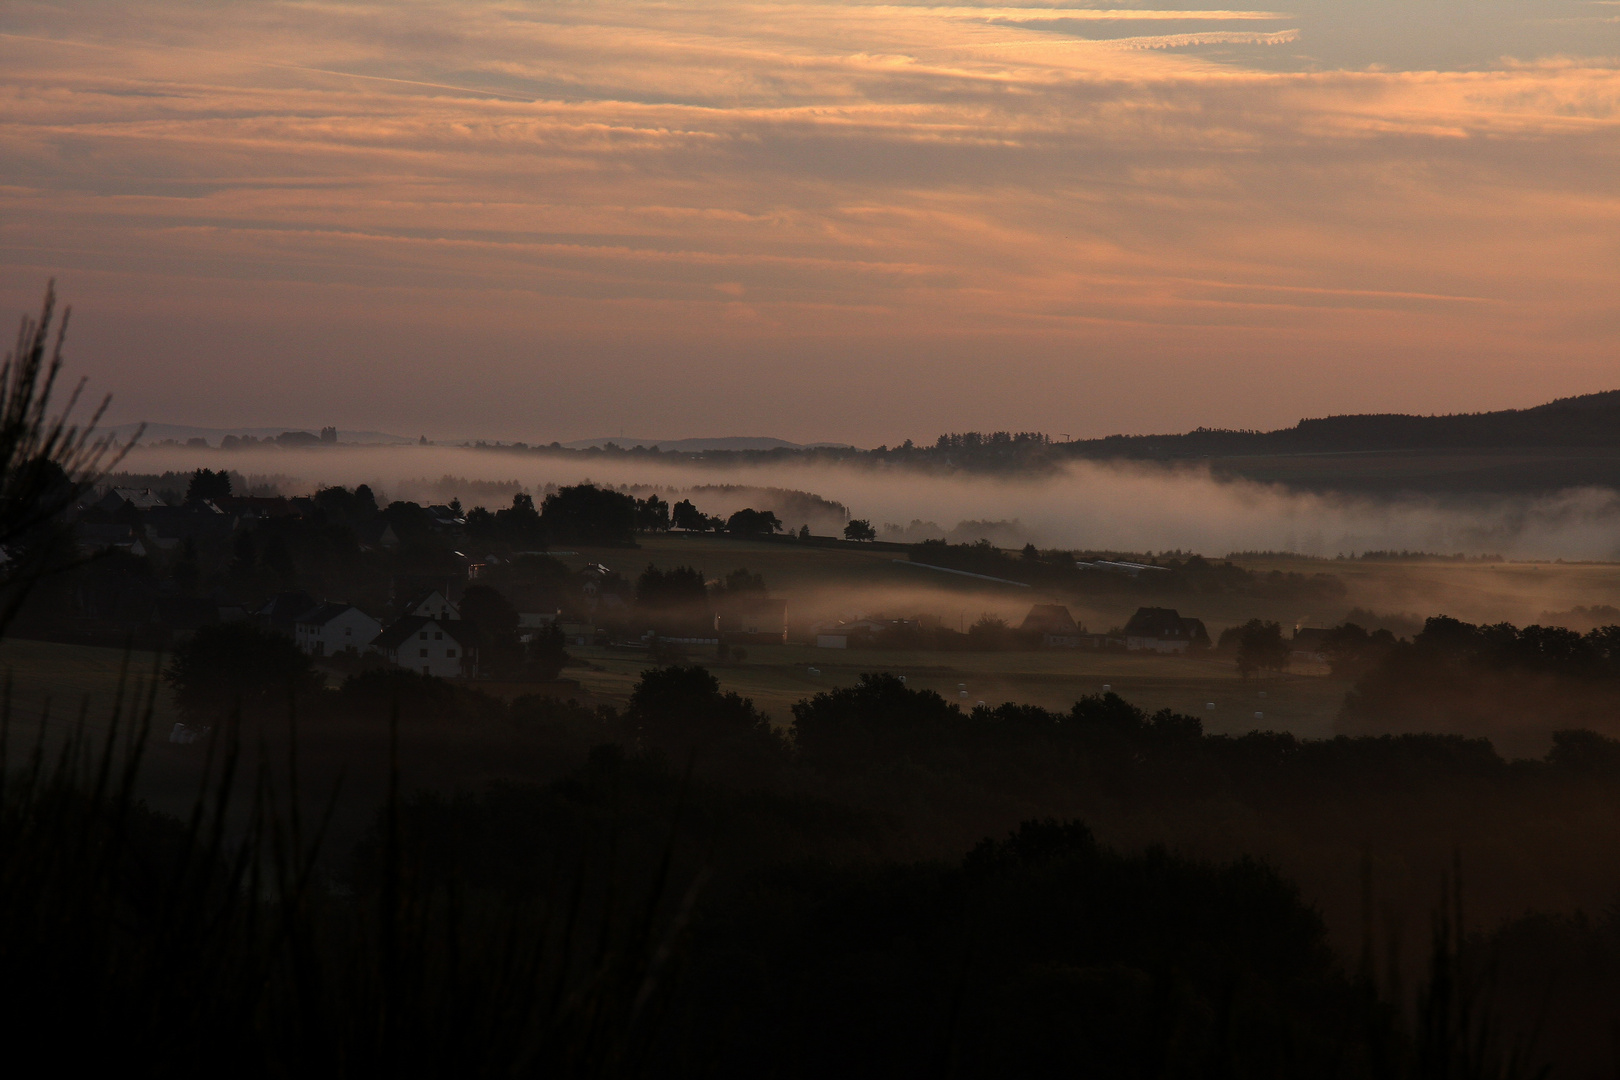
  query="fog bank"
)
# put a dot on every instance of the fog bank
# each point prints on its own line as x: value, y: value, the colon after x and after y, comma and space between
x: 1130, y: 507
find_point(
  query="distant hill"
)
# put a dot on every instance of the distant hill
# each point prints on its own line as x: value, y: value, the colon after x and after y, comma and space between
x: 1592, y: 420
x: 698, y: 446
x: 181, y: 432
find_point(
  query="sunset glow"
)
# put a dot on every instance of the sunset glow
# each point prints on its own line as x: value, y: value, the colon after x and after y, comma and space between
x: 814, y: 220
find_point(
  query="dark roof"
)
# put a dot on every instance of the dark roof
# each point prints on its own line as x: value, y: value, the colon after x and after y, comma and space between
x: 1165, y: 624
x: 321, y: 614
x: 1051, y: 619
x: 258, y: 505
x: 93, y: 533
x: 284, y: 608
x: 406, y: 628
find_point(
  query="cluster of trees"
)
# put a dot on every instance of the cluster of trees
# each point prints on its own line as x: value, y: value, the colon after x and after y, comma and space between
x: 1518, y: 684
x: 1257, y: 646
x: 681, y: 601
x: 745, y: 522
x: 1049, y: 943
x: 1192, y: 574
x: 206, y: 484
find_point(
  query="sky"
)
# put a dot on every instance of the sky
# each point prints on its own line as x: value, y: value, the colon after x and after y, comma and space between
x: 818, y: 221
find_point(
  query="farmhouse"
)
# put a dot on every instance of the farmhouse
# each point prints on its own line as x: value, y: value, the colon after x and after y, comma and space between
x: 329, y: 629
x: 1055, y: 625
x: 752, y: 620
x: 443, y: 647
x: 1164, y: 630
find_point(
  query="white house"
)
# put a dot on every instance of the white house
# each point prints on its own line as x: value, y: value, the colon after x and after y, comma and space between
x: 329, y: 629
x: 432, y: 606
x: 442, y: 647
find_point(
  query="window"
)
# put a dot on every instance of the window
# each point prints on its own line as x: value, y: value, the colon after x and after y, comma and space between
x: 438, y: 635
x: 423, y: 635
x: 424, y: 652
x: 451, y: 653
x: 347, y: 632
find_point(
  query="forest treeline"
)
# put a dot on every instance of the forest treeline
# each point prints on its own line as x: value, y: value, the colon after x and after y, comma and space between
x: 997, y: 891
x: 1514, y: 684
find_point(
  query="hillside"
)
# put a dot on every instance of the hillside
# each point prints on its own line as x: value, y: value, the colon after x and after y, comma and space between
x: 1592, y: 420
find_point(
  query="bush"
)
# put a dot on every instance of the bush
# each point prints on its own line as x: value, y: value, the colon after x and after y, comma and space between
x: 238, y: 665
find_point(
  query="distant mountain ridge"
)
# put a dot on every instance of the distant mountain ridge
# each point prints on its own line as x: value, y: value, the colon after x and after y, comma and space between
x: 1590, y: 420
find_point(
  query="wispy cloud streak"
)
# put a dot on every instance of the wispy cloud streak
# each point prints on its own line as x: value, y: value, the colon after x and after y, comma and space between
x: 880, y: 198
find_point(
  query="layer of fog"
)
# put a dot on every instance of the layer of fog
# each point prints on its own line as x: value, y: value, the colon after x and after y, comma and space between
x: 1089, y: 506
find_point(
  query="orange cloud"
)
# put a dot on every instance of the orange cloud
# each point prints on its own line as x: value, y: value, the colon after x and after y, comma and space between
x: 772, y: 196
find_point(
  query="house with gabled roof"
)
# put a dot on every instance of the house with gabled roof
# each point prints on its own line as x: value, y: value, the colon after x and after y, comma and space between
x: 431, y: 605
x: 119, y: 497
x: 329, y: 629
x: 1164, y: 630
x: 1056, y: 626
x: 280, y: 613
x: 447, y: 648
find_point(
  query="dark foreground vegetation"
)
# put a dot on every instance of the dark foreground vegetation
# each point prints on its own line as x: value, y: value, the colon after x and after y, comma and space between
x: 638, y: 917
x: 891, y: 886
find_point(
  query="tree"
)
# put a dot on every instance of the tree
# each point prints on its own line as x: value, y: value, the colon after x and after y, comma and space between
x: 652, y: 514
x: 244, y: 556
x: 495, y: 621
x: 186, y: 569
x: 341, y: 506
x: 752, y: 522
x: 587, y: 514
x: 804, y: 532
x: 239, y: 665
x: 46, y: 462
x: 740, y: 583
x: 277, y: 559
x: 666, y: 590
x: 206, y: 484
x: 545, y: 654
x: 688, y: 517
x: 864, y: 725
x: 859, y: 529
x: 1261, y: 648
x: 990, y: 633
x: 680, y: 708
x: 519, y: 524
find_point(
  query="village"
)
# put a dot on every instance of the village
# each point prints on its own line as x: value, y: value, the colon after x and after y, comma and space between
x: 474, y: 595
